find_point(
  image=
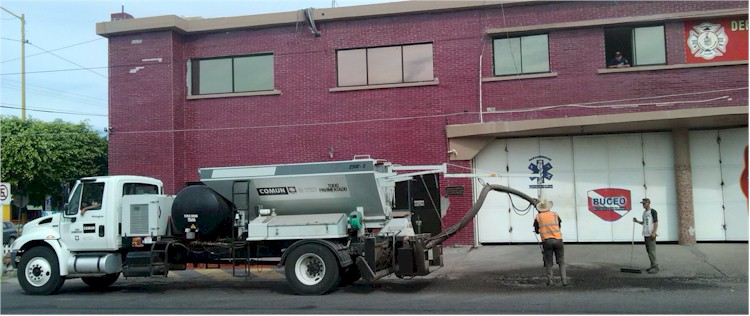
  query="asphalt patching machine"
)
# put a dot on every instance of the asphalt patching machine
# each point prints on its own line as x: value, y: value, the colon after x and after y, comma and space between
x: 327, y: 224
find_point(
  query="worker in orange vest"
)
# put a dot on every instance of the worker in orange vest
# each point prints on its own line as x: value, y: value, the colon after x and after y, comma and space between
x: 547, y: 225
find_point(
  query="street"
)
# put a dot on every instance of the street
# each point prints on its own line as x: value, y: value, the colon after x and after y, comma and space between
x: 468, y: 284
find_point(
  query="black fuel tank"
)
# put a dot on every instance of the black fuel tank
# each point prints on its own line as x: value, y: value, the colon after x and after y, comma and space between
x: 203, y: 211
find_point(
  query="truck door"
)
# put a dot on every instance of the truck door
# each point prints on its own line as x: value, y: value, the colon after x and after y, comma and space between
x: 83, y: 227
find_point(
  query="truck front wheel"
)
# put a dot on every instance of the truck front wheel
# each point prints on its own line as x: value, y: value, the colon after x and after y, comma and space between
x: 312, y: 269
x: 102, y: 282
x: 39, y: 272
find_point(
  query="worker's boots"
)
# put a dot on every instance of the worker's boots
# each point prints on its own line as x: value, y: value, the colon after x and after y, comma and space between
x: 563, y: 274
x: 550, y: 280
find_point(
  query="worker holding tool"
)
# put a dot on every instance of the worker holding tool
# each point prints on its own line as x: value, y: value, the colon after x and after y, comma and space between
x: 547, y: 225
x: 650, y: 224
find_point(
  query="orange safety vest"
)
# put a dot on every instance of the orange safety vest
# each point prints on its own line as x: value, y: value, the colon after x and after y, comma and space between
x: 549, y: 225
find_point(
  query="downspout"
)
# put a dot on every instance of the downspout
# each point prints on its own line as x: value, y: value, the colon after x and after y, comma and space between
x: 481, y: 113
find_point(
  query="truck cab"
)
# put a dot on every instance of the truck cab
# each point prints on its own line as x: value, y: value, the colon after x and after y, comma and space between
x: 82, y: 241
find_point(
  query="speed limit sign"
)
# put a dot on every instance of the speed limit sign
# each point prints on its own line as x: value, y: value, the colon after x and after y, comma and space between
x: 4, y: 193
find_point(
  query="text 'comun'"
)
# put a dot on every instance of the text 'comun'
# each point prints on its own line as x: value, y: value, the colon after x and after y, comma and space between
x: 272, y: 191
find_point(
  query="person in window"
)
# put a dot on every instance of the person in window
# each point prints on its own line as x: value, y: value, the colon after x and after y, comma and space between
x: 618, y: 61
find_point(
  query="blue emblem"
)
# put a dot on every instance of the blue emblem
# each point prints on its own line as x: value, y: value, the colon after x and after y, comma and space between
x: 540, y: 167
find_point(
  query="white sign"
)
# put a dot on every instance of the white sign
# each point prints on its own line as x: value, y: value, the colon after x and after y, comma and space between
x: 5, y: 193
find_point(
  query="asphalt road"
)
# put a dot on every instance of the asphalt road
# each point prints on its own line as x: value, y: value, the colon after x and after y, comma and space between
x: 594, y: 289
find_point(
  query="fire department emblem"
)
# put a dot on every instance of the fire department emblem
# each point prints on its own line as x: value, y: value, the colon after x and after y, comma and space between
x: 708, y: 40
x: 609, y: 204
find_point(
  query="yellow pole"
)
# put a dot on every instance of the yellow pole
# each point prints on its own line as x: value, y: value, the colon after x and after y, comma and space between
x: 23, y: 61
x: 23, y: 67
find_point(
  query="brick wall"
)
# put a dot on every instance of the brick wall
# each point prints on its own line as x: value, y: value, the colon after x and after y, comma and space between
x: 157, y: 132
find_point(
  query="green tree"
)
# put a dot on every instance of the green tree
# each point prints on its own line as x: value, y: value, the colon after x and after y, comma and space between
x: 39, y: 158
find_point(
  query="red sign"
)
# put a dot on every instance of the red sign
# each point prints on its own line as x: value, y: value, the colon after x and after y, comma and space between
x: 609, y: 204
x: 716, y: 40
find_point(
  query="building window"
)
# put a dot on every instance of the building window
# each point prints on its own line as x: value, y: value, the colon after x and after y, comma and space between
x: 384, y: 65
x: 641, y: 46
x: 521, y: 55
x: 232, y: 74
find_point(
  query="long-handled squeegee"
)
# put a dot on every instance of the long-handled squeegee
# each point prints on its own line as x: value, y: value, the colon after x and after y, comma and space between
x: 630, y: 269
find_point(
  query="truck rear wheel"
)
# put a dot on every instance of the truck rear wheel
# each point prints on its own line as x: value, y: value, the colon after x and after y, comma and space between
x: 312, y: 269
x: 39, y: 272
x: 102, y: 282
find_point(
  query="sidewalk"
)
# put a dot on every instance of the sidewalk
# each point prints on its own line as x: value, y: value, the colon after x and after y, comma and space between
x: 701, y: 260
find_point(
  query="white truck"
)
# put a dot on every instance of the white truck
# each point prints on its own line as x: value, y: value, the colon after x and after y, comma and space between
x: 327, y: 224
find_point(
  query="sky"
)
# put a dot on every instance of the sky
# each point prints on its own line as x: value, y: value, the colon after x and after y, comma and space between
x: 66, y: 61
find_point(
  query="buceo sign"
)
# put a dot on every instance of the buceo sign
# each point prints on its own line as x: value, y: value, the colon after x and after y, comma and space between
x: 610, y: 204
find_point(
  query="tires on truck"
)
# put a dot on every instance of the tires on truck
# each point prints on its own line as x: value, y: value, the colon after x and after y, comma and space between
x: 312, y: 269
x: 39, y: 272
x: 102, y: 282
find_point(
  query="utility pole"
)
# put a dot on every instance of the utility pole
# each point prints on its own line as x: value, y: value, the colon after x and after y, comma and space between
x: 23, y: 62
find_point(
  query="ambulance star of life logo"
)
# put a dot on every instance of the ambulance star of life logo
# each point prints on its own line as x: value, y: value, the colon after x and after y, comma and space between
x: 610, y: 204
x: 540, y: 167
x: 708, y: 40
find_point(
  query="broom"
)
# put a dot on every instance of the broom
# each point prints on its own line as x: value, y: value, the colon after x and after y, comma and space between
x: 632, y: 246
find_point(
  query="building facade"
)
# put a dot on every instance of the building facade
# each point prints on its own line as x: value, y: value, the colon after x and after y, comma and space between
x: 529, y: 89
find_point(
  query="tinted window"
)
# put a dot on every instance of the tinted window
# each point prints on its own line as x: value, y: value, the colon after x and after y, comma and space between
x: 521, y: 55
x: 385, y: 65
x: 232, y: 74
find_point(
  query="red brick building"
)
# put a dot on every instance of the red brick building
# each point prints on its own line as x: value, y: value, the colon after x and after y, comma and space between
x: 432, y: 82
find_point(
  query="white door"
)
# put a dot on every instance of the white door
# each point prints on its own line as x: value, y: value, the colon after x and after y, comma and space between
x: 717, y: 159
x: 493, y: 219
x: 658, y: 157
x: 541, y: 168
x: 86, y: 232
x: 609, y: 184
x: 595, y: 183
x: 733, y: 148
x: 706, y: 177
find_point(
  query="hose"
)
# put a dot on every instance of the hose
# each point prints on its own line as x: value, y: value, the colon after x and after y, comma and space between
x: 450, y: 231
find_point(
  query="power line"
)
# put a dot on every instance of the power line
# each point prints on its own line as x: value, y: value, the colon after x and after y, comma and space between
x: 17, y: 107
x: 56, y: 49
x: 63, y: 58
x: 10, y: 39
x: 59, y: 96
x: 58, y: 91
x: 574, y: 105
x: 58, y: 70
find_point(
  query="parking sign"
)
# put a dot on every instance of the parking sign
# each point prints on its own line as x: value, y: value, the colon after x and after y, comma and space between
x: 4, y: 193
